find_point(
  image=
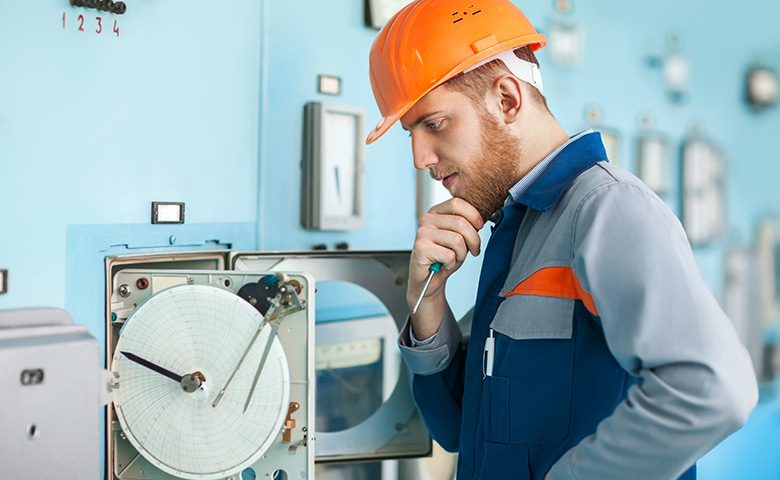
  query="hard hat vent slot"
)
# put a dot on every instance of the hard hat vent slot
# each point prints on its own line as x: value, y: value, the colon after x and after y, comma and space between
x: 465, y: 14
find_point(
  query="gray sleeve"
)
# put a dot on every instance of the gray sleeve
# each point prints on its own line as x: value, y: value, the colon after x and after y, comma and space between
x: 435, y: 356
x: 664, y: 326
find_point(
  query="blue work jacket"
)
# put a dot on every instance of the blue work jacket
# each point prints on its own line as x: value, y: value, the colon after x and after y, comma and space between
x: 551, y: 376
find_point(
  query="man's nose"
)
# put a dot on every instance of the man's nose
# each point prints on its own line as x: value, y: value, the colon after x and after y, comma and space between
x: 423, y: 153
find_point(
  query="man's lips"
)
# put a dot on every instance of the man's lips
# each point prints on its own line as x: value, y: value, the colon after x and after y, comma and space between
x: 446, y: 177
x: 448, y: 180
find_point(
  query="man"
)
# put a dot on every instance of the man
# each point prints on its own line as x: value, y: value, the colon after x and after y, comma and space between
x: 596, y: 351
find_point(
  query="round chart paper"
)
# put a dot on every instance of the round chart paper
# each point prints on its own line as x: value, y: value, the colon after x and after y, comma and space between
x: 201, y: 330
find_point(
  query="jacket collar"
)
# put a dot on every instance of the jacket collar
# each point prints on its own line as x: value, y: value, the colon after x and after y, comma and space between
x: 566, y: 166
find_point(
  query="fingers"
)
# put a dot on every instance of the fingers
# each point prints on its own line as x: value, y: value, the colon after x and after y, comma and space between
x: 461, y: 208
x: 447, y: 233
x: 433, y: 244
x: 453, y: 225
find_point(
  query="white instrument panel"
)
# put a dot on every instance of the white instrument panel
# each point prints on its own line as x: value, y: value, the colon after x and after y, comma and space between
x: 198, y: 394
x: 198, y: 329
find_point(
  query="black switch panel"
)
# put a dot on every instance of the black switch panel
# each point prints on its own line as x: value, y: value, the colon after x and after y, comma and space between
x: 105, y: 5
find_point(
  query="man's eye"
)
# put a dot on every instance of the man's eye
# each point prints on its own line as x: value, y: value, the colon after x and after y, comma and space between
x: 434, y: 125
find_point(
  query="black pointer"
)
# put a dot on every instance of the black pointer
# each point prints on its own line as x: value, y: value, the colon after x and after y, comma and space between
x: 152, y: 366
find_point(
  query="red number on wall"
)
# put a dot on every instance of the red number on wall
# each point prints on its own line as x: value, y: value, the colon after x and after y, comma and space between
x: 81, y: 25
x: 63, y: 19
x: 100, y: 27
x: 116, y: 28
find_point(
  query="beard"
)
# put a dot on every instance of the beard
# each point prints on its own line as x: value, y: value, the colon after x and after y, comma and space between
x: 488, y: 178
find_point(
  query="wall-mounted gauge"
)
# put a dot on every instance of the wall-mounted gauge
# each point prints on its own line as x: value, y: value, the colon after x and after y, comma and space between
x: 761, y: 87
x: 378, y: 12
x: 332, y: 167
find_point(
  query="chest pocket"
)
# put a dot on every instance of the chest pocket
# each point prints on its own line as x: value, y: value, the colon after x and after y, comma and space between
x: 527, y: 400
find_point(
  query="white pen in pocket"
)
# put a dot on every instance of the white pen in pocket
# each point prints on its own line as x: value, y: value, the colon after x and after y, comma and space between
x: 490, y: 351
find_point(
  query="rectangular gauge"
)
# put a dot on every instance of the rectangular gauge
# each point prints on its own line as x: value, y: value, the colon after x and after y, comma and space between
x: 332, y: 181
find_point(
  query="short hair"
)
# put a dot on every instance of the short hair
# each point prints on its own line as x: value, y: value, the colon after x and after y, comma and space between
x: 476, y: 83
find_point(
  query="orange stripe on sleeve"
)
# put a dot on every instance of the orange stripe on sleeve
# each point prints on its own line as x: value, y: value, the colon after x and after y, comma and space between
x: 555, y: 282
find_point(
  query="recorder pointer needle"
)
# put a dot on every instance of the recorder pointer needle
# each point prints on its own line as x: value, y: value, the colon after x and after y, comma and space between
x: 433, y: 269
x: 265, y: 320
x: 274, y: 327
x: 291, y: 304
x: 152, y: 366
x: 189, y: 383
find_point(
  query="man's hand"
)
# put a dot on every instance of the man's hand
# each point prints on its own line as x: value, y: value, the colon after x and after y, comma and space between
x: 446, y: 233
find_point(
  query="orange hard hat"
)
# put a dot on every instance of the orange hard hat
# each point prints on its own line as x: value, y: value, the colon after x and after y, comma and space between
x: 430, y: 41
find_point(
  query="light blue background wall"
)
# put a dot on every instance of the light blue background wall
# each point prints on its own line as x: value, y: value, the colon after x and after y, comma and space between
x: 203, y: 103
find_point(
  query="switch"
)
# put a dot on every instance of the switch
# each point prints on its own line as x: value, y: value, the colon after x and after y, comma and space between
x: 167, y: 212
x: 329, y: 84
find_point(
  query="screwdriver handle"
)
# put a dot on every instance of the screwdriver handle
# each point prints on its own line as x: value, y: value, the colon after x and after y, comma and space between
x: 432, y: 269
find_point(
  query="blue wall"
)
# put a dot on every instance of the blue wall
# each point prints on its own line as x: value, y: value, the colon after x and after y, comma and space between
x: 203, y: 103
x: 94, y: 127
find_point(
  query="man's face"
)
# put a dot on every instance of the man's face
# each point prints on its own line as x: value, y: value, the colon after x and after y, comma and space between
x: 468, y: 150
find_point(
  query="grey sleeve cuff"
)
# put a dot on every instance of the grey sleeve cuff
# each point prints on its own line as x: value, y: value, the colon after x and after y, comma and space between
x: 434, y: 356
x: 420, y: 343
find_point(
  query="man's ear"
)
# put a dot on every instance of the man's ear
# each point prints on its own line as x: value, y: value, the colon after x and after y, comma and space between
x: 509, y: 95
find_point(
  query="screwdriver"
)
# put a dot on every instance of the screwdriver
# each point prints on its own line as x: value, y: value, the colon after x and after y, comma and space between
x: 433, y: 269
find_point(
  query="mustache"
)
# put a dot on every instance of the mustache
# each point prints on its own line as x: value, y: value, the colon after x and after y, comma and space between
x: 440, y: 174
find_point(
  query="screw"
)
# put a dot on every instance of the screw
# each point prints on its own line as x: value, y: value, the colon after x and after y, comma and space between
x: 124, y: 291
